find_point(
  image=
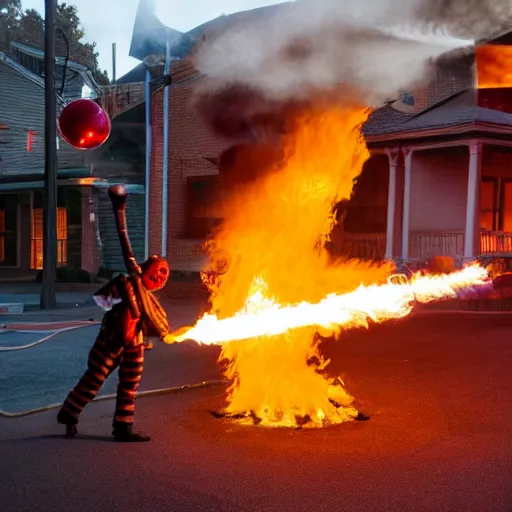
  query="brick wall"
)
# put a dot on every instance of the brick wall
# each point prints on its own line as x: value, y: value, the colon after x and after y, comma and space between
x: 155, y: 180
x: 446, y: 81
x: 190, y: 141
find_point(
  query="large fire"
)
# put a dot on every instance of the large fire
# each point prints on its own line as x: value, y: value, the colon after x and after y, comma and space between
x: 494, y: 66
x: 281, y: 288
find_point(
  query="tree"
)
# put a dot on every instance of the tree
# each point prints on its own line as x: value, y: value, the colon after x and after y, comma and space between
x: 27, y: 27
x: 10, y: 12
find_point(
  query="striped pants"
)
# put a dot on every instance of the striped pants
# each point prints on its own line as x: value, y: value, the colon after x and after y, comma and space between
x: 104, y: 358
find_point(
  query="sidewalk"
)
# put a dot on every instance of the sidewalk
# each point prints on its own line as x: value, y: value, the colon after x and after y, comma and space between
x: 69, y: 296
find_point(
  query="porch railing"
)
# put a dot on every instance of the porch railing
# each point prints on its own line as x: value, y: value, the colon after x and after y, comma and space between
x: 370, y: 246
x: 427, y: 245
x: 496, y: 242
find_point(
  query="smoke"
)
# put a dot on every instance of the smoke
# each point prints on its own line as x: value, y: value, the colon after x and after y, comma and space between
x: 373, y: 47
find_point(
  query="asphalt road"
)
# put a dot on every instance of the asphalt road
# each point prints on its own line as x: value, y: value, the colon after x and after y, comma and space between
x: 44, y: 374
x: 438, y: 390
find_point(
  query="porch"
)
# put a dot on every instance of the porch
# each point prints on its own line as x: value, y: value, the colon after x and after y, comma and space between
x: 445, y: 199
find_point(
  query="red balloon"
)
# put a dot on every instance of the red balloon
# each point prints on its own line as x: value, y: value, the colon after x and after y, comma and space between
x: 83, y: 124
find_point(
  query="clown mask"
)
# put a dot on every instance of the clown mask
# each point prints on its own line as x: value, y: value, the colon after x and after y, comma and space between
x: 155, y: 273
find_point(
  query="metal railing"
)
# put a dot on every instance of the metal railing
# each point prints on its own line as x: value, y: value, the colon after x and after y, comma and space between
x: 428, y: 245
x: 496, y: 242
x: 370, y: 246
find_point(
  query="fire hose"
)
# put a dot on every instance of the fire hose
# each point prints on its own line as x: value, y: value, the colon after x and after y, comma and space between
x: 53, y: 333
x: 140, y: 394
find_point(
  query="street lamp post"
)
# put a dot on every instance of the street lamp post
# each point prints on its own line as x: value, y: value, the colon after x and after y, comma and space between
x: 48, y: 298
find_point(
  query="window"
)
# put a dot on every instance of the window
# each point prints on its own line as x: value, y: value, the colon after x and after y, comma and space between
x: 8, y: 230
x: 496, y: 204
x: 489, y: 208
x: 506, y: 209
x: 36, y: 242
x: 203, y: 206
x: 407, y: 98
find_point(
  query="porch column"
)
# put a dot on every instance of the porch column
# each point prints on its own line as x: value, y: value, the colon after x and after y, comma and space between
x: 407, y: 202
x: 472, y: 232
x: 390, y: 224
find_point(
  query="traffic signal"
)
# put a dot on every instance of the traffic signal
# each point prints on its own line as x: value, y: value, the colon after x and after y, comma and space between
x: 83, y: 124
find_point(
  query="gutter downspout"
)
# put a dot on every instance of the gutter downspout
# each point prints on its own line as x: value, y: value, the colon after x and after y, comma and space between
x: 147, y: 94
x: 166, y: 151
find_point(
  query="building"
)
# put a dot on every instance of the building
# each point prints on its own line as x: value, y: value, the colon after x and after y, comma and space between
x: 182, y: 176
x: 438, y: 182
x: 22, y: 169
x: 121, y: 160
x: 449, y: 152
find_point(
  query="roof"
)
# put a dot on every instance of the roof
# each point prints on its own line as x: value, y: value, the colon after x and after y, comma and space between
x: 458, y: 110
x: 382, y: 119
x: 150, y: 34
x: 83, y: 71
x: 26, y: 73
x: 137, y: 74
x: 504, y: 36
x: 39, y: 54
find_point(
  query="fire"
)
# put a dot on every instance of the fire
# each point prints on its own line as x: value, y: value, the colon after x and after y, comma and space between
x: 494, y: 66
x: 281, y: 288
x: 262, y: 316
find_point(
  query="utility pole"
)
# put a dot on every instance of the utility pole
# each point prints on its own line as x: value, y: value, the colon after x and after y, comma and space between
x: 48, y: 298
x: 114, y: 63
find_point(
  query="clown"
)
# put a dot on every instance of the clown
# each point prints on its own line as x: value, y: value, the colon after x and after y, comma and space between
x: 132, y: 312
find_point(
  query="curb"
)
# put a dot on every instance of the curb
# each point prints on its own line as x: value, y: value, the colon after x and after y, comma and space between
x: 433, y: 312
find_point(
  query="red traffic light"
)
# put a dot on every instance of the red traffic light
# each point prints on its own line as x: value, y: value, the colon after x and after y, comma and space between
x: 83, y: 124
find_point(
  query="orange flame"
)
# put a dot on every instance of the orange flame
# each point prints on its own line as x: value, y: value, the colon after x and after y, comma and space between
x: 263, y: 316
x: 281, y: 287
x: 494, y: 66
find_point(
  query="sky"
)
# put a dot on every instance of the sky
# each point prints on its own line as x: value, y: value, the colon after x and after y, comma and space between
x: 111, y: 21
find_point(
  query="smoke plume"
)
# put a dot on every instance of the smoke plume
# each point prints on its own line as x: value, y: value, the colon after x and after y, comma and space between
x: 373, y: 47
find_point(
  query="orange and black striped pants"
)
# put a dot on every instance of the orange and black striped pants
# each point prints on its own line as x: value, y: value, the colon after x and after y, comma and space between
x: 104, y: 358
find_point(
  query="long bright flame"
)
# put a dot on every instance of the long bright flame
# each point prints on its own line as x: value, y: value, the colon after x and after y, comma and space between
x: 263, y: 316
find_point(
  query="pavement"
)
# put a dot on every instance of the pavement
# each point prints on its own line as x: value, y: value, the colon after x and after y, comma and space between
x: 68, y: 296
x: 437, y: 387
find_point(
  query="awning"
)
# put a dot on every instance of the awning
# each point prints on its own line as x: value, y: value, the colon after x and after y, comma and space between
x: 70, y: 182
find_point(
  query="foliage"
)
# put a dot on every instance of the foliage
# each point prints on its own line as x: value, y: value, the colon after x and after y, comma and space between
x: 27, y: 27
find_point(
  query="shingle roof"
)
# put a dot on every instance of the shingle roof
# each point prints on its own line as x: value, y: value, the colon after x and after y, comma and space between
x: 459, y: 109
x: 83, y: 71
x: 137, y: 74
x: 37, y: 52
x: 383, y: 118
x: 453, y: 116
x: 27, y: 74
